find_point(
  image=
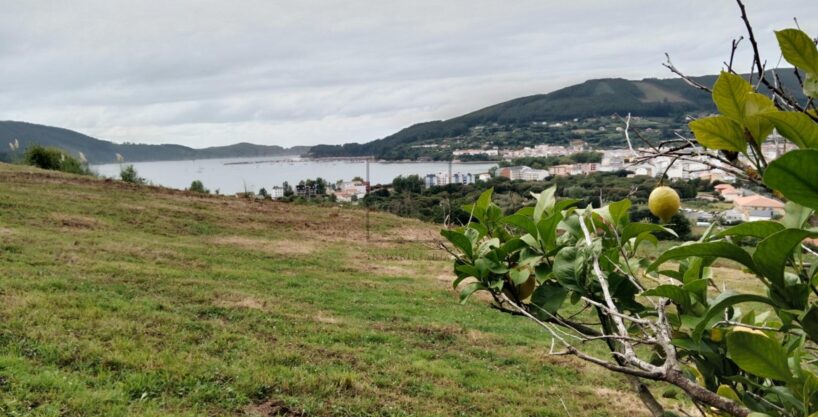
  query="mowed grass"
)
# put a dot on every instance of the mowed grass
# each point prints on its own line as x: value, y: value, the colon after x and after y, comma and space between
x: 120, y: 300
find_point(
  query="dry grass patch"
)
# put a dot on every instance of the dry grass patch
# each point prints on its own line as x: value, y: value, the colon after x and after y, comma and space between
x: 74, y: 221
x: 273, y: 247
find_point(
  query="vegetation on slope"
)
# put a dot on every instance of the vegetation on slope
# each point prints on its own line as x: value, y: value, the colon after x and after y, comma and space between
x: 125, y: 300
x: 667, y: 98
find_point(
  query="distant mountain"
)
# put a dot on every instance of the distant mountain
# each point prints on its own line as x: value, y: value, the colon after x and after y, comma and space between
x: 100, y: 151
x: 649, y: 97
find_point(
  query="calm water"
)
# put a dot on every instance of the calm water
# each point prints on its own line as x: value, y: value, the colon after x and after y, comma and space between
x: 234, y: 175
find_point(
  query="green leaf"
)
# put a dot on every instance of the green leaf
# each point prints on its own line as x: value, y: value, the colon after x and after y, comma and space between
x: 470, y: 289
x: 549, y: 296
x: 545, y: 201
x: 672, y: 292
x: 795, y: 215
x: 754, y: 122
x: 459, y: 240
x: 484, y: 200
x: 772, y: 253
x: 810, y: 322
x: 759, y: 355
x: 729, y: 94
x: 617, y: 211
x: 727, y: 392
x: 567, y: 263
x: 799, y: 128
x: 760, y: 229
x: 523, y: 222
x: 519, y: 275
x: 723, y: 301
x: 713, y: 249
x: 719, y: 132
x: 798, y: 49
x: 795, y: 175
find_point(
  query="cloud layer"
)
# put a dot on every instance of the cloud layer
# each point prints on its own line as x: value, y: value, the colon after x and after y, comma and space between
x: 205, y: 73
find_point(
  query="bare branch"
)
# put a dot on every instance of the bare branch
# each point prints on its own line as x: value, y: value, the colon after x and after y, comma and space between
x: 693, y: 83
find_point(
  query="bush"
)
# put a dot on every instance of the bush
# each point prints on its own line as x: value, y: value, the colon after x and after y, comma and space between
x: 54, y: 159
x: 197, y: 187
x: 128, y: 174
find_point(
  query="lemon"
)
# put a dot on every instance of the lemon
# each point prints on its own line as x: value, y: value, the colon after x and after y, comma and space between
x: 525, y: 289
x: 664, y: 203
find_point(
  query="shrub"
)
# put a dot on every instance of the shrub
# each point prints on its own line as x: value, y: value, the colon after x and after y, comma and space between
x: 54, y: 159
x: 197, y: 187
x: 128, y: 174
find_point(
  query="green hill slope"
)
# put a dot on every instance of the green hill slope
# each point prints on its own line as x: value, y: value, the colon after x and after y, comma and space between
x: 121, y: 300
x: 594, y: 98
x: 100, y: 151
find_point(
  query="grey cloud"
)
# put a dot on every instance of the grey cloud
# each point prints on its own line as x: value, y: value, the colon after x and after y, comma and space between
x: 305, y: 72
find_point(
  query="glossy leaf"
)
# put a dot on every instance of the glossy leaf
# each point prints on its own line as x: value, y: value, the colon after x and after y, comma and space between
x: 795, y: 175
x: 672, y: 292
x: 545, y: 201
x: 772, y: 253
x: 758, y: 354
x: 730, y: 93
x: 798, y: 49
x: 719, y: 132
x: 459, y: 240
x: 799, y: 128
x: 549, y: 296
x: 470, y: 289
x: 722, y: 302
x: 719, y: 249
x: 795, y: 215
x: 760, y: 229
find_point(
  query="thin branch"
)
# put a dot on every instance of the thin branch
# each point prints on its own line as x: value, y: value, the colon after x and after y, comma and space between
x: 693, y: 83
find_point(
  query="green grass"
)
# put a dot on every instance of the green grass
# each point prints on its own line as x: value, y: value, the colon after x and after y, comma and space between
x: 122, y: 300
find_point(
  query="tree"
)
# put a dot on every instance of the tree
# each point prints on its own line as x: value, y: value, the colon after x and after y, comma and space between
x: 664, y: 321
x: 288, y: 190
x: 197, y: 187
x: 128, y: 174
x: 54, y: 159
x: 263, y: 192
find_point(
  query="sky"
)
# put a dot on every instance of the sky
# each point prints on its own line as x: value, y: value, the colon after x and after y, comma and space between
x: 303, y: 72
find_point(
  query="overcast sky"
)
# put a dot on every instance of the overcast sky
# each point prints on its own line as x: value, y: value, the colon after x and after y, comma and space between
x: 302, y: 72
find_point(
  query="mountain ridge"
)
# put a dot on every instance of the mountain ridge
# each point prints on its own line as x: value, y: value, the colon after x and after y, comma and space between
x: 99, y: 151
x: 648, y: 97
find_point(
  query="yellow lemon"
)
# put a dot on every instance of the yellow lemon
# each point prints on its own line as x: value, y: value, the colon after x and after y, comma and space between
x: 664, y: 203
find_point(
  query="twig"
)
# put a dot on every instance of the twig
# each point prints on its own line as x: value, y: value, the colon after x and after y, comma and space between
x: 669, y: 65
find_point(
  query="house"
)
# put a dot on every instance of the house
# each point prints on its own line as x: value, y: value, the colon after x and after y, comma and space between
x: 758, y: 207
x: 563, y: 170
x: 721, y: 188
x: 523, y: 172
x: 351, y: 190
x: 276, y: 192
x: 731, y: 216
x: 735, y: 193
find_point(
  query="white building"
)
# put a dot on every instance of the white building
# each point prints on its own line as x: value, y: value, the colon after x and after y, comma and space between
x: 276, y: 192
x: 350, y: 190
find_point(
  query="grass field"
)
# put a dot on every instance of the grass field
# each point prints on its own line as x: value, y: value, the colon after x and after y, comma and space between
x: 120, y: 300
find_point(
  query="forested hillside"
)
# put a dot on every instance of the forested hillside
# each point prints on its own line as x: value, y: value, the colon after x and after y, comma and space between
x: 655, y: 98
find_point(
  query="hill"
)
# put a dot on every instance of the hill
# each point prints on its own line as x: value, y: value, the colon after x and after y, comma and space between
x: 124, y: 300
x: 101, y: 151
x: 652, y: 98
